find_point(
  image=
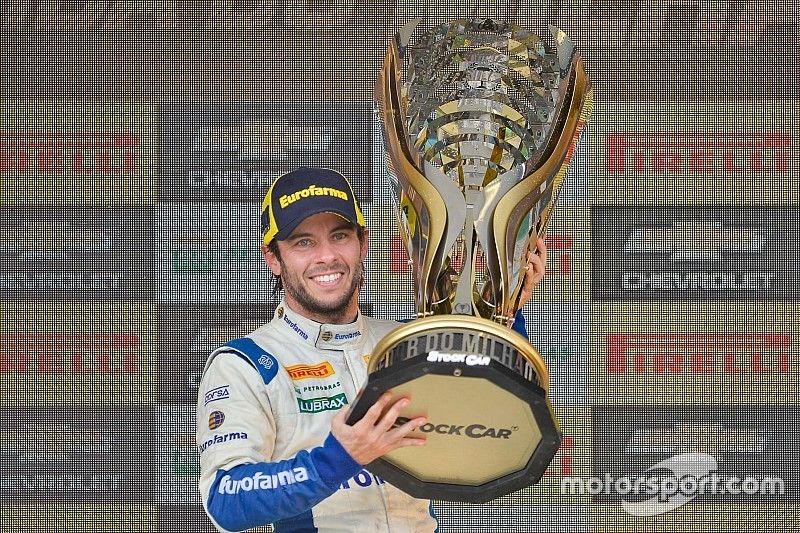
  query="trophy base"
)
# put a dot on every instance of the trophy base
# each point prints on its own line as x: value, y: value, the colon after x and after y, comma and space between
x: 490, y: 430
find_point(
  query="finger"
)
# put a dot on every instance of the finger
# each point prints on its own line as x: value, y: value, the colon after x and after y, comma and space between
x: 541, y: 247
x: 391, y: 415
x: 401, y: 432
x: 538, y: 266
x: 374, y: 412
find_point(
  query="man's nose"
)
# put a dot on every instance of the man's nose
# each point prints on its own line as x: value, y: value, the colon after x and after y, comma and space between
x: 325, y: 252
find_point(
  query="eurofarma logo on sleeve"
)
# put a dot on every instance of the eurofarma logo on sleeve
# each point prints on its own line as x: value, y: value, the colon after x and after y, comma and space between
x: 695, y: 253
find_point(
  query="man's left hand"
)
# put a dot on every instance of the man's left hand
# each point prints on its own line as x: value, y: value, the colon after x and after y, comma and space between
x: 535, y: 270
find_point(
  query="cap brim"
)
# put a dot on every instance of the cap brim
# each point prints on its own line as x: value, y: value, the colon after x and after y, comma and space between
x: 290, y: 226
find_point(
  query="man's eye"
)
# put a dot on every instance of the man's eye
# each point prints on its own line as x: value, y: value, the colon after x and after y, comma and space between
x: 339, y: 236
x: 303, y: 242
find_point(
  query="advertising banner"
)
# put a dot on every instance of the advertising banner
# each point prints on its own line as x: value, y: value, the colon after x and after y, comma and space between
x: 178, y: 459
x: 76, y: 253
x: 574, y: 458
x: 77, y: 455
x: 76, y: 354
x: 560, y: 331
x: 654, y: 465
x: 506, y: 514
x: 188, y: 334
x: 79, y: 518
x: 568, y: 261
x: 695, y: 153
x: 192, y: 518
x: 700, y: 353
x: 214, y: 152
x: 211, y: 253
x: 79, y: 152
x: 696, y: 253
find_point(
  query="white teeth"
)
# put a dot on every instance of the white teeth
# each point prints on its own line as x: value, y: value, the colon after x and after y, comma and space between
x: 327, y: 278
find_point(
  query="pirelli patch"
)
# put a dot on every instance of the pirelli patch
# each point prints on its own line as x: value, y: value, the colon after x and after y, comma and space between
x: 321, y: 370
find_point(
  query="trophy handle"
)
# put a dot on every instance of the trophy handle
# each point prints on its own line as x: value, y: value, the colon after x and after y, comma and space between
x: 518, y: 202
x: 430, y: 211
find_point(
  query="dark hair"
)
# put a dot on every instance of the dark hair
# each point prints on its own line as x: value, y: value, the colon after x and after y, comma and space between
x: 273, y: 248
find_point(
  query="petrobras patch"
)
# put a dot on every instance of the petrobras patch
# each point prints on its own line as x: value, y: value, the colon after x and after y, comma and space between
x: 218, y: 393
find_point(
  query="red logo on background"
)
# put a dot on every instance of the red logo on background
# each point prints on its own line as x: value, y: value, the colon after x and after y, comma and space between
x: 698, y: 353
x: 69, y: 353
x: 697, y: 152
x: 59, y: 153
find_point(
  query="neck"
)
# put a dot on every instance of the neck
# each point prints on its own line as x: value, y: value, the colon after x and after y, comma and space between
x: 344, y: 315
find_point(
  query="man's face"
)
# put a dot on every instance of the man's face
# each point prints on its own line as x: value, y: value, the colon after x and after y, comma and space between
x: 320, y: 266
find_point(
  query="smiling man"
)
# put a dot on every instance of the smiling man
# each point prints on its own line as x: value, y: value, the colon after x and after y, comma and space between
x: 274, y: 444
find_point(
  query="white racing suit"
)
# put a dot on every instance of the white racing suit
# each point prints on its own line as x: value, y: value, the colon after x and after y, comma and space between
x: 263, y: 430
x: 264, y: 414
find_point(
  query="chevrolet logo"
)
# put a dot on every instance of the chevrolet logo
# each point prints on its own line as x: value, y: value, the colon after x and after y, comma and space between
x: 46, y: 243
x: 265, y: 141
x: 695, y: 240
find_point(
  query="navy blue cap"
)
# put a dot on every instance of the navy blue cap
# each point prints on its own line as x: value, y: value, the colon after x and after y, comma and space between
x: 306, y: 191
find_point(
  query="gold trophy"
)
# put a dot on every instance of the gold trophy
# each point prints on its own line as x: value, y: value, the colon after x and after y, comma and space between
x: 480, y: 120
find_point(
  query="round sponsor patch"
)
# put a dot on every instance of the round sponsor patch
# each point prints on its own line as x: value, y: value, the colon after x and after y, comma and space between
x: 215, y: 419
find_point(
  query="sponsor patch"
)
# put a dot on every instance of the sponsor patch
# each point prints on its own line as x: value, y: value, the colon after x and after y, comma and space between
x: 316, y: 405
x: 215, y: 419
x: 219, y: 393
x: 320, y: 370
x: 227, y: 437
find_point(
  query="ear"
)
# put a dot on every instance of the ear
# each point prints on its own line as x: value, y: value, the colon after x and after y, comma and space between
x: 365, y: 245
x: 270, y: 259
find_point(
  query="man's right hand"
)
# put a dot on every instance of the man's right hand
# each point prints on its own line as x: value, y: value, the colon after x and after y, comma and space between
x: 373, y: 435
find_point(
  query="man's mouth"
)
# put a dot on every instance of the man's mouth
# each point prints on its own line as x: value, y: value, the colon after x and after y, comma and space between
x: 327, y: 278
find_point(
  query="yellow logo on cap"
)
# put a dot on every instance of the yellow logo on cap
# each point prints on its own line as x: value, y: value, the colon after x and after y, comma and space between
x: 312, y: 190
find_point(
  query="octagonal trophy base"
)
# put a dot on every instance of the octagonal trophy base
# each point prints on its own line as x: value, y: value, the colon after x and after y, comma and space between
x: 491, y: 429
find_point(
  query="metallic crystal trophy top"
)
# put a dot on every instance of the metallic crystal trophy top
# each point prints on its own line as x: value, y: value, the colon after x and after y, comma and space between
x: 480, y: 120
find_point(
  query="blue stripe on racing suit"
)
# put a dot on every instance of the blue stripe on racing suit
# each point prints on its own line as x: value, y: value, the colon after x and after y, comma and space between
x: 252, y: 495
x: 302, y: 523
